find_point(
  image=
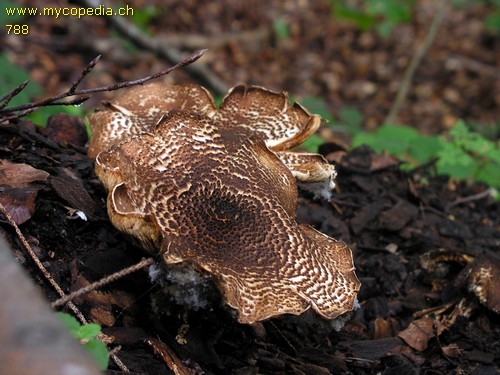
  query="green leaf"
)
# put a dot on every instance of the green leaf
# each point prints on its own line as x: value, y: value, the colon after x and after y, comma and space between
x: 89, y: 331
x: 474, y: 142
x: 493, y: 22
x: 400, y: 132
x: 395, y: 139
x: 459, y: 130
x: 70, y: 323
x: 362, y: 20
x: 370, y: 139
x: 317, y: 105
x: 424, y: 148
x: 397, y: 11
x: 385, y: 28
x: 488, y: 173
x: 351, y: 117
x: 281, y: 29
x: 99, y: 352
x: 312, y: 143
x: 495, y: 153
x: 455, y: 162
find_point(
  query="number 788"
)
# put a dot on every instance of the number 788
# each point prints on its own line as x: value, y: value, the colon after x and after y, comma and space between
x: 17, y: 29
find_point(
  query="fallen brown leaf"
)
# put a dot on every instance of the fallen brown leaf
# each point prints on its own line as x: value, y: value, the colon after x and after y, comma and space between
x: 419, y: 332
x: 19, y: 174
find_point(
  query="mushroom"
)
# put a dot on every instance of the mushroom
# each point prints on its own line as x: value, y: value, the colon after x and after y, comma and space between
x: 247, y: 110
x: 212, y: 189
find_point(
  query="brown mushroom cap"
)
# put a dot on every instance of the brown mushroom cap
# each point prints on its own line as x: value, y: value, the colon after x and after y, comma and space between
x: 224, y: 203
x: 138, y: 110
x: 245, y: 110
x: 484, y: 281
x: 250, y: 110
x: 267, y: 114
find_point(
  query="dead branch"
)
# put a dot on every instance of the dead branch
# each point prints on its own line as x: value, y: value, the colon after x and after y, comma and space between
x: 415, y: 62
x: 5, y: 99
x: 104, y: 281
x: 22, y: 110
x: 473, y: 65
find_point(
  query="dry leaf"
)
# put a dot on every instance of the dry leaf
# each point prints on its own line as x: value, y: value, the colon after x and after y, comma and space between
x: 420, y: 331
x: 19, y: 175
x: 452, y: 350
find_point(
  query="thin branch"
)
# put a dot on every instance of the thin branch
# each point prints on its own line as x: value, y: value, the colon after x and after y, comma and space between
x: 471, y: 198
x: 76, y: 101
x: 51, y: 100
x: 8, y: 97
x: 104, y: 281
x: 17, y: 115
x: 475, y: 65
x: 415, y: 62
x: 86, y: 71
x: 169, y: 53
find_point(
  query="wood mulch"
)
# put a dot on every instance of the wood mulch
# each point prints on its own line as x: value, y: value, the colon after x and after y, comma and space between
x: 421, y: 247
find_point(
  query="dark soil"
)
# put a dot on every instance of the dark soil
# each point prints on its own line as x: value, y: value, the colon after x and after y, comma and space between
x: 420, y: 242
x: 417, y: 244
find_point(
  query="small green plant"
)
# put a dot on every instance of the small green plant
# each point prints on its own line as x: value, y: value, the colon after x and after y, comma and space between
x: 86, y: 334
x: 461, y: 154
x: 383, y: 15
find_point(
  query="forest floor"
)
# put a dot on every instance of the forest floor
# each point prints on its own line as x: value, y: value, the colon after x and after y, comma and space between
x: 425, y: 246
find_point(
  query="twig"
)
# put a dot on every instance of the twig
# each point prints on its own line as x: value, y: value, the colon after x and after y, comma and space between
x: 72, y: 92
x: 51, y: 281
x: 104, y: 281
x: 415, y: 62
x: 173, y: 362
x: 8, y: 97
x: 17, y: 115
x: 169, y: 53
x: 474, y: 197
x: 86, y: 71
x: 475, y: 65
